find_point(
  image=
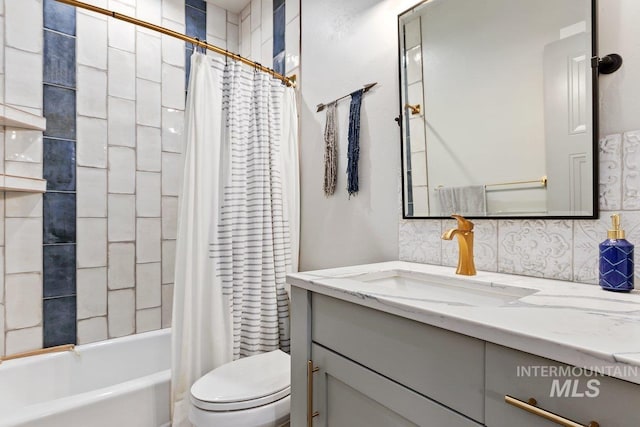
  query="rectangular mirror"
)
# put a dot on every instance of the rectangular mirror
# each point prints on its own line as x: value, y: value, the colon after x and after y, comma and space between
x: 499, y: 109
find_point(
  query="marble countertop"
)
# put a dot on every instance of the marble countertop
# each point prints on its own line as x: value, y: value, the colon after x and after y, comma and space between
x: 570, y: 322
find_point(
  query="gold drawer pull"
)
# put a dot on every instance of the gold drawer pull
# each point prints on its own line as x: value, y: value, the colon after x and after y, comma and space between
x: 310, y: 414
x: 530, y: 406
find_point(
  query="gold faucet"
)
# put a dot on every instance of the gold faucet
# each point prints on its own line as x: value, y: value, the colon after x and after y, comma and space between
x: 465, y: 245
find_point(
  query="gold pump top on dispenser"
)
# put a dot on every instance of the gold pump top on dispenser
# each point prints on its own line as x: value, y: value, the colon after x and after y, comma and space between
x: 615, y: 233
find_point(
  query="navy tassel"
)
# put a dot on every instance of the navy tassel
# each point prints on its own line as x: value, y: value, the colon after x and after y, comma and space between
x: 353, y: 153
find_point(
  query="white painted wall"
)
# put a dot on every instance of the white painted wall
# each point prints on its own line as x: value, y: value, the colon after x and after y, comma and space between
x: 347, y: 44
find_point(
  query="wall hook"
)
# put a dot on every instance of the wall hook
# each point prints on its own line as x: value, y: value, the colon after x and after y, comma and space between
x: 609, y: 64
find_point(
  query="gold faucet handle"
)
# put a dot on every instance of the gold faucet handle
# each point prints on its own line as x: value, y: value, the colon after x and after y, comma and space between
x: 463, y: 223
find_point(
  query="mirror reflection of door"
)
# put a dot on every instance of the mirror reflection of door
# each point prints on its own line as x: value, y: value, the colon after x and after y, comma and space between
x: 568, y: 142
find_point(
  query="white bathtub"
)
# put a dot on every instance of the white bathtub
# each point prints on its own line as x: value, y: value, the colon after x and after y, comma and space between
x: 123, y: 382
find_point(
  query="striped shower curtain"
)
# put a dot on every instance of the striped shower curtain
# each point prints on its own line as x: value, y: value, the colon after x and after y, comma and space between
x: 232, y: 256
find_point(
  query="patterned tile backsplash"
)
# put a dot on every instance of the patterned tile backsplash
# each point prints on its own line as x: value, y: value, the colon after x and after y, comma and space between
x: 556, y: 249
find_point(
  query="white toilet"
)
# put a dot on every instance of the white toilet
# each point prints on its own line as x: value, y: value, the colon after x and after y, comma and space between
x: 249, y: 392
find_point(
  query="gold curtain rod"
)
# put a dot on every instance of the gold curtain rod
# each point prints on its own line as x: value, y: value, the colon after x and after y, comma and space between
x: 57, y: 349
x: 366, y: 88
x: 289, y: 81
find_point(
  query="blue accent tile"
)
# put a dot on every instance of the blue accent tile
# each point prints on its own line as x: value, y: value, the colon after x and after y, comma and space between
x: 60, y: 111
x: 59, y: 218
x: 278, y: 30
x: 59, y: 270
x: 196, y: 23
x: 198, y: 4
x: 278, y: 63
x: 278, y: 3
x: 59, y: 164
x: 187, y: 69
x: 59, y: 321
x: 59, y: 66
x: 60, y: 17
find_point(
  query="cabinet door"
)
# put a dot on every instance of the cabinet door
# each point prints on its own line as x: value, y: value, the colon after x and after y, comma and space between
x: 573, y: 394
x: 348, y: 394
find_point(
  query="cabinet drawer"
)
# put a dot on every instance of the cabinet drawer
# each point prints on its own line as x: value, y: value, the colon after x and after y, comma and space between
x: 442, y: 365
x: 580, y: 396
x: 347, y: 394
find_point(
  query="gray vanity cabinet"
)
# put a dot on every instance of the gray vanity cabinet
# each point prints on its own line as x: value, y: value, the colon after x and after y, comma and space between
x: 398, y: 368
x: 580, y: 397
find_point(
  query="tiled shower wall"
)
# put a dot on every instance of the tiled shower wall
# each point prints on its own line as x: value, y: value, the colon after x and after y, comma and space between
x: 126, y: 124
x: 557, y: 249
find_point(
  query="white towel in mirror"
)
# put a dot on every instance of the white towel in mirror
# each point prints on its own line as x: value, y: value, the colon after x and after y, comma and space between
x: 468, y: 200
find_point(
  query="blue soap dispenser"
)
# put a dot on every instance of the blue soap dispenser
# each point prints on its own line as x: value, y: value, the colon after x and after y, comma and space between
x: 616, y: 260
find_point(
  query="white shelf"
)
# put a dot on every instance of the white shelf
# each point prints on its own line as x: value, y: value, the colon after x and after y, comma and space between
x: 23, y: 184
x: 14, y: 117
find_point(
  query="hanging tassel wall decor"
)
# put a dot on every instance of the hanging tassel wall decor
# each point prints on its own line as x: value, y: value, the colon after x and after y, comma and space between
x: 353, y: 153
x: 330, y: 151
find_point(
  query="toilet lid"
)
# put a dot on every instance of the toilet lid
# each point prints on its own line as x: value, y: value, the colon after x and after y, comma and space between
x: 244, y: 383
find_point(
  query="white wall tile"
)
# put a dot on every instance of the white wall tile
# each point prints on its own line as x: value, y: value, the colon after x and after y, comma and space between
x: 149, y: 149
x: 91, y: 196
x: 23, y: 205
x: 149, y: 56
x: 540, y: 248
x: 245, y: 38
x: 167, y: 305
x: 92, y: 242
x: 172, y: 87
x: 2, y: 144
x: 23, y: 304
x: 121, y: 313
x: 2, y: 353
x: 91, y: 41
x: 169, y: 217
x: 148, y: 105
x: 233, y: 18
x: 23, y: 78
x: 23, y: 245
x: 421, y: 241
x: 148, y: 285
x: 23, y: 28
x: 122, y: 218
x: 148, y: 320
x: 92, y: 292
x: 2, y: 195
x: 148, y: 194
x: 171, y: 174
x: 22, y: 340
x: 292, y: 44
x: 148, y: 248
x: 91, y: 148
x: 122, y: 34
x: 122, y: 170
x: 122, y: 73
x: 150, y: 11
x: 91, y: 95
x: 92, y: 330
x: 2, y: 284
x: 610, y: 183
x: 267, y: 53
x: 172, y: 130
x: 246, y: 12
x: 216, y: 21
x: 631, y: 170
x: 122, y: 122
x: 267, y: 20
x: 23, y: 145
x: 121, y: 272
x: 256, y: 14
x: 168, y: 261
x: 233, y: 37
x: 292, y: 9
x: 32, y: 170
x: 173, y: 9
x: 172, y: 51
x: 256, y: 45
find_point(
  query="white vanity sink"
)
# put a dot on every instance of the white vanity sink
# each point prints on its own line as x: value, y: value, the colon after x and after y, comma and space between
x: 438, y: 289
